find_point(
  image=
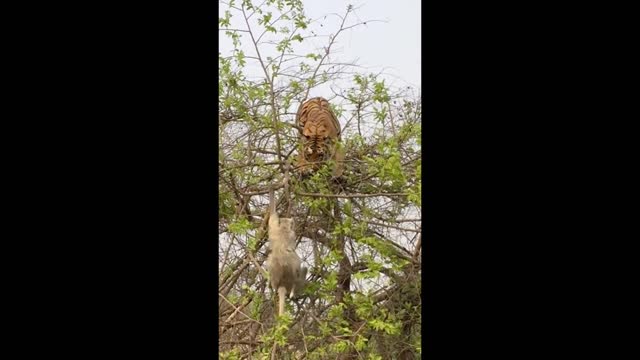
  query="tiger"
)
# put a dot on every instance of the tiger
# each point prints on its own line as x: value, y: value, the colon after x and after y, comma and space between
x: 319, y: 138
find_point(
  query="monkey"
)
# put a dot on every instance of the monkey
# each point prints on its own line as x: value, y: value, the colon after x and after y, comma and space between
x: 284, y: 265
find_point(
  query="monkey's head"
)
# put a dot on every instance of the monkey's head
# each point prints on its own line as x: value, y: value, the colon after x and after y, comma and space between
x: 287, y: 224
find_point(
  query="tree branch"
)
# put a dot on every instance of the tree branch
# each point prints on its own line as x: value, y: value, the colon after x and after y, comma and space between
x: 347, y: 196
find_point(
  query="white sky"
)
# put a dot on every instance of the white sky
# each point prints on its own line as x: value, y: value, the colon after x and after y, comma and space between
x: 392, y: 46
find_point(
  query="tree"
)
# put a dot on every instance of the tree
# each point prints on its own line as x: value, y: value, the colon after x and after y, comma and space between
x: 361, y: 238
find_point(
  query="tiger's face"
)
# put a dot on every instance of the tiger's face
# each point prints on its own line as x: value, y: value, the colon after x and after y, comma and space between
x: 315, y: 143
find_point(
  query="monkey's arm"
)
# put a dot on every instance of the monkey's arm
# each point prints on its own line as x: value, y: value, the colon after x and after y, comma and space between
x: 273, y: 214
x: 272, y: 202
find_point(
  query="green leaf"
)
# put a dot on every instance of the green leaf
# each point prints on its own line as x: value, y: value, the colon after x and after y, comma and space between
x: 295, y: 86
x: 300, y: 22
x: 265, y: 19
x: 240, y: 227
x: 283, y: 45
x: 247, y: 4
x: 240, y: 58
x: 361, y: 342
x: 315, y: 57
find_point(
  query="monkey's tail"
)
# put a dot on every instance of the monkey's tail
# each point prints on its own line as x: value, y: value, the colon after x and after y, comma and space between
x: 282, y: 293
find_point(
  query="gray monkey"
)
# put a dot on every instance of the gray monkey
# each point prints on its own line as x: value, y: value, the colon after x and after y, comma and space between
x: 284, y: 265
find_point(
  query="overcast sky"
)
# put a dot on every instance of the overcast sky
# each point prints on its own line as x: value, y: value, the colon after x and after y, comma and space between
x: 392, y: 45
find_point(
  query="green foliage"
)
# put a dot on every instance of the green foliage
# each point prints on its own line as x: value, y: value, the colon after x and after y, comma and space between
x: 380, y: 114
x: 284, y: 45
x: 330, y: 282
x: 225, y: 204
x: 230, y: 355
x: 252, y: 243
x: 301, y: 22
x: 240, y: 227
x: 271, y: 29
x: 247, y: 4
x: 295, y: 86
x: 225, y: 21
x: 335, y: 311
x: 240, y: 58
x: 363, y: 305
x: 235, y: 38
x: 339, y: 347
x: 387, y: 327
x: 373, y: 268
x: 266, y: 19
x: 256, y: 304
x: 380, y: 92
x: 361, y: 342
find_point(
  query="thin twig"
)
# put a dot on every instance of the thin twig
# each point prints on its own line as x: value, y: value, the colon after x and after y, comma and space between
x: 392, y: 227
x: 418, y: 247
x: 270, y: 81
x: 237, y: 310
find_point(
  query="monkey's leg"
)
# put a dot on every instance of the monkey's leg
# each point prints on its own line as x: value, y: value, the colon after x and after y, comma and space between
x: 282, y: 293
x: 299, y: 284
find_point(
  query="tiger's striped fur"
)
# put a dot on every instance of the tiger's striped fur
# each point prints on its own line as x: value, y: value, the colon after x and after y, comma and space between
x: 320, y: 136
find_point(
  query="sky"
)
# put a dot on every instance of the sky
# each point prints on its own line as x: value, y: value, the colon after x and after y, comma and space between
x: 392, y: 45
